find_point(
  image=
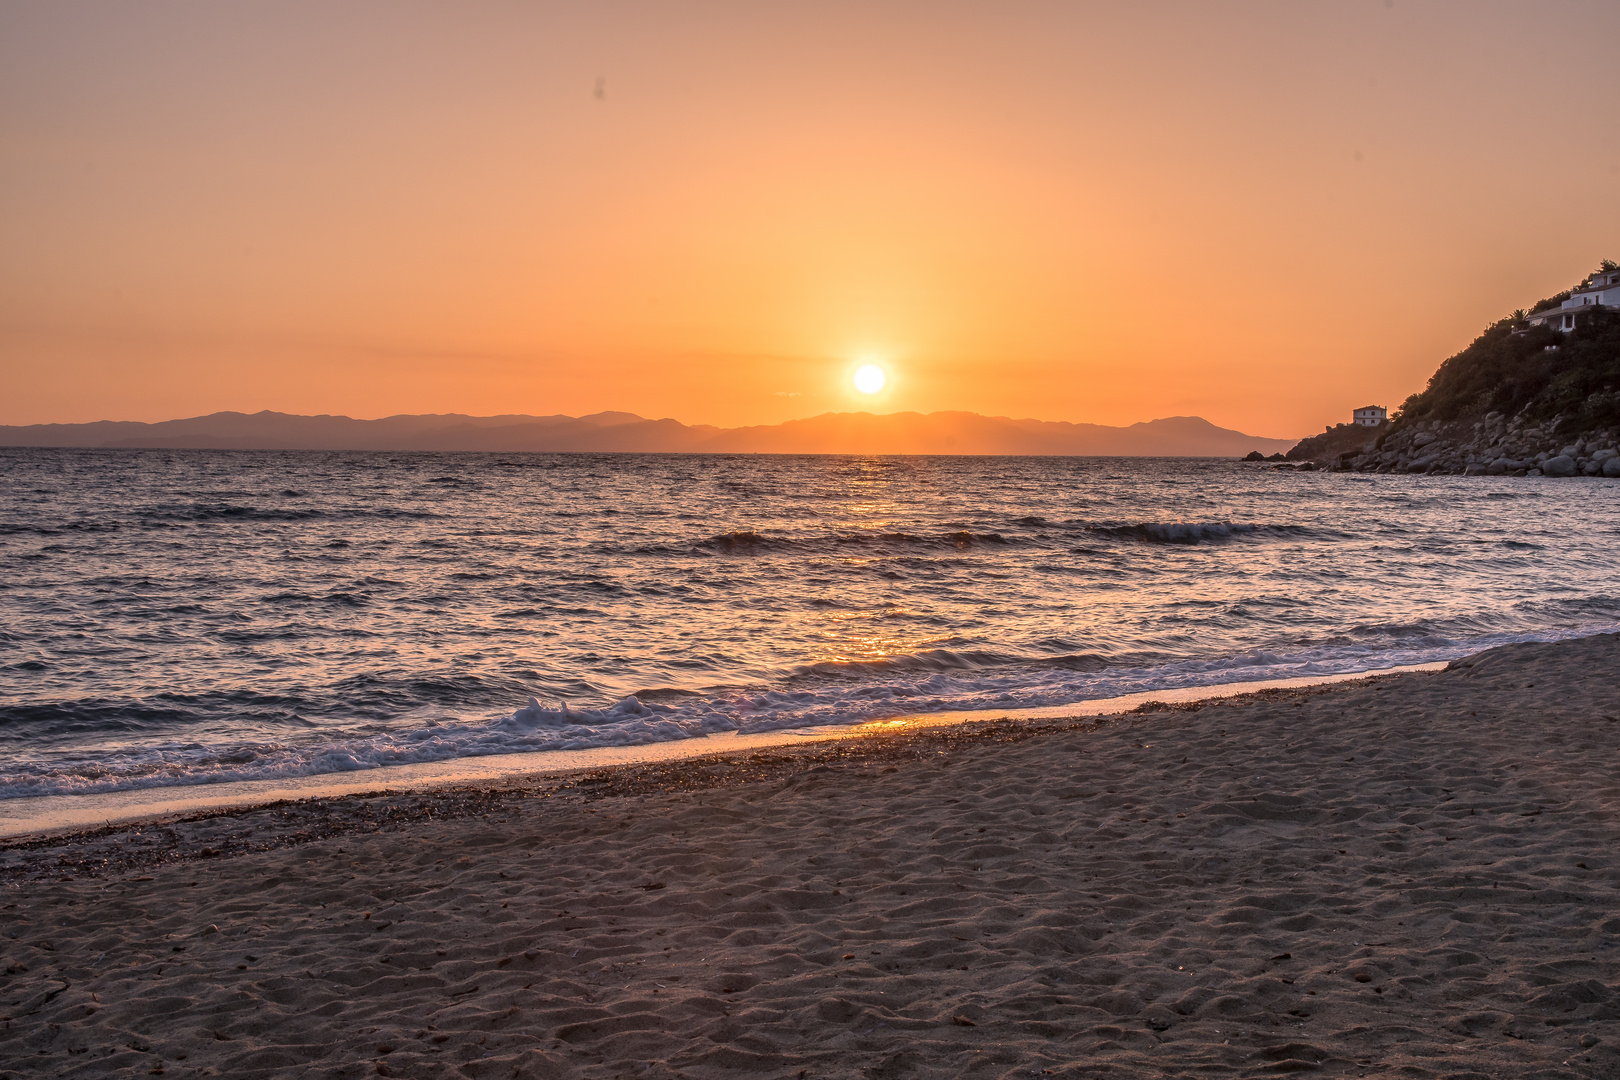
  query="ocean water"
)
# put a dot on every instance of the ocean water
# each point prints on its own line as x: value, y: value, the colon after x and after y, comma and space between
x: 186, y: 617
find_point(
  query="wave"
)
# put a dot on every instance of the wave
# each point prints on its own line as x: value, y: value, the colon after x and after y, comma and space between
x: 963, y: 538
x: 1148, y: 532
x: 102, y: 718
x: 209, y: 512
x: 1026, y: 531
x: 1197, y: 532
x: 744, y: 540
x: 749, y: 542
x: 367, y: 702
x: 818, y: 695
x: 952, y: 660
x: 13, y: 528
x: 928, y: 660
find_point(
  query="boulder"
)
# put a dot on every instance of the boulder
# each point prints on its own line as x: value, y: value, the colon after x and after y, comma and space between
x: 1611, y: 467
x: 1562, y: 465
x: 1601, y: 456
x: 1254, y: 455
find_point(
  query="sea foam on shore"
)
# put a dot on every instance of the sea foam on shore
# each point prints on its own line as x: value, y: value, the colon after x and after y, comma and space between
x: 940, y: 683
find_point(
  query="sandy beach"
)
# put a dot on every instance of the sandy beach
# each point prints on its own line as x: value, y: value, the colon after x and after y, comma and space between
x: 1414, y: 875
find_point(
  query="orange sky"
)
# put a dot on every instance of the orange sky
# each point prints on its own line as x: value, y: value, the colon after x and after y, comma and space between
x: 1261, y: 213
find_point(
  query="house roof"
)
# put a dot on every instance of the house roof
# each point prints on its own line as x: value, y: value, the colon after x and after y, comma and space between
x: 1554, y: 313
x: 1367, y: 408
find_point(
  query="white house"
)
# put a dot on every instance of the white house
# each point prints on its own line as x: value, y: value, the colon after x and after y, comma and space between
x: 1370, y: 415
x: 1599, y: 289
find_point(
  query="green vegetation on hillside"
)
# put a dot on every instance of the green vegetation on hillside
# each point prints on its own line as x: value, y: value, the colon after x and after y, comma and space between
x: 1511, y: 370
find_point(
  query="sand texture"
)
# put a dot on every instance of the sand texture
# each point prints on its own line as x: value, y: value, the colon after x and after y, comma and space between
x: 1413, y: 876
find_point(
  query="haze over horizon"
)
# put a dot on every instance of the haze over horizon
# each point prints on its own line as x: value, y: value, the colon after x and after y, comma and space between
x: 1262, y: 214
x: 938, y: 433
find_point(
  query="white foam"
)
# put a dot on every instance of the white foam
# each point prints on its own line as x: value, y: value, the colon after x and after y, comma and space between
x: 540, y: 727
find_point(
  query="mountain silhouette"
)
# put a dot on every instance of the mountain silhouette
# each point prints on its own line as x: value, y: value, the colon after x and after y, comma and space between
x: 622, y: 432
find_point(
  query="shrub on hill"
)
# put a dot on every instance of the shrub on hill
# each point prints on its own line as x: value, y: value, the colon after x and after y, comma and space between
x: 1343, y: 439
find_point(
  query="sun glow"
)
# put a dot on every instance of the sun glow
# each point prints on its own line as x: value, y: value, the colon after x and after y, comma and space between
x: 869, y: 378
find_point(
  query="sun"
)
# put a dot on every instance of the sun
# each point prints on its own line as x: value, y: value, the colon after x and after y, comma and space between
x: 869, y: 378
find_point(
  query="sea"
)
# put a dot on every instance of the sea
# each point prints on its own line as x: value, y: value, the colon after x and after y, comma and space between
x: 173, y: 618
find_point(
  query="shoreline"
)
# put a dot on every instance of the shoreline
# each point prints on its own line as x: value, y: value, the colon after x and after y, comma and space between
x: 1415, y: 874
x: 35, y: 818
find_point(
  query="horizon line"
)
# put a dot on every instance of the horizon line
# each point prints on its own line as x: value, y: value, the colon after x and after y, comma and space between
x: 638, y: 418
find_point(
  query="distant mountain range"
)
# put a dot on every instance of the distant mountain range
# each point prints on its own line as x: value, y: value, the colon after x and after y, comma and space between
x: 830, y: 433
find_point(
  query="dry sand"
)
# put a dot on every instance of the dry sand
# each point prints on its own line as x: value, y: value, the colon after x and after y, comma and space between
x: 1413, y: 876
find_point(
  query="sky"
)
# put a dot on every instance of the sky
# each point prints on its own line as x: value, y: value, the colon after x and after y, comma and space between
x: 1265, y: 214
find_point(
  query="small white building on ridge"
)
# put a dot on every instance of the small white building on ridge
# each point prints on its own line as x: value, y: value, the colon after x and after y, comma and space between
x: 1601, y: 289
x: 1370, y: 415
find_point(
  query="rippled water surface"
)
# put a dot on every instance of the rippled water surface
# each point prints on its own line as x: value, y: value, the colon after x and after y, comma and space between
x: 186, y: 616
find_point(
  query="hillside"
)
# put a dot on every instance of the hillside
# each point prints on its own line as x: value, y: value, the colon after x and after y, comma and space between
x: 1518, y: 398
x: 1336, y: 441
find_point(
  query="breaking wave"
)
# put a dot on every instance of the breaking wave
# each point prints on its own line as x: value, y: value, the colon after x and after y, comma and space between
x: 1196, y: 532
x: 815, y: 696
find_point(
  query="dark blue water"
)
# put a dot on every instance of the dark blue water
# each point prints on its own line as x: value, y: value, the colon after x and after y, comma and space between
x: 185, y: 616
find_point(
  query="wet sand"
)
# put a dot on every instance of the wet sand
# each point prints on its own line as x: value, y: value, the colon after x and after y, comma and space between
x: 1416, y: 875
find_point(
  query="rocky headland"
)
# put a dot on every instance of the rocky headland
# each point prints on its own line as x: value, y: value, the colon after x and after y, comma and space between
x: 1494, y: 445
x: 1521, y: 400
